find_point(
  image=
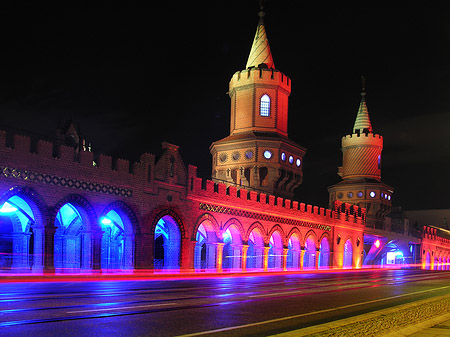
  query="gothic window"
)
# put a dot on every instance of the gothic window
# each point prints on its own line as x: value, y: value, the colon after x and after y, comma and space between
x: 264, y: 107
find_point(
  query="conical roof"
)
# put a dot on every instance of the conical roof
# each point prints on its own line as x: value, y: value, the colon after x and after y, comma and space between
x: 260, y: 51
x: 362, y: 122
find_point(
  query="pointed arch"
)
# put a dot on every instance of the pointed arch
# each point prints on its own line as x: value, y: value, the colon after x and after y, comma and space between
x: 77, y: 239
x: 206, y: 235
x: 84, y: 204
x: 27, y: 220
x: 159, y: 213
x: 119, y: 225
x: 132, y: 225
x: 278, y: 228
x: 256, y: 238
x: 211, y: 220
x: 259, y: 227
x: 277, y: 242
x: 236, y: 224
x: 295, y: 231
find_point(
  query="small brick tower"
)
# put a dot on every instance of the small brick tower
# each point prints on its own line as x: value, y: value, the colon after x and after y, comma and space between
x: 258, y: 155
x: 361, y: 170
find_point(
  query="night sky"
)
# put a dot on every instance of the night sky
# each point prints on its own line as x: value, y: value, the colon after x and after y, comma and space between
x: 133, y: 78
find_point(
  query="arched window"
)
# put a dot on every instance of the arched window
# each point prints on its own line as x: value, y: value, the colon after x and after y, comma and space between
x: 264, y: 107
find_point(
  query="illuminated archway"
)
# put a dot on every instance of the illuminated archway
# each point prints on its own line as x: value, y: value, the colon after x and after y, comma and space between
x: 117, y: 248
x: 167, y: 244
x: 232, y: 248
x: 21, y: 232
x: 348, y: 255
x: 255, y: 252
x: 205, y: 247
x: 294, y: 252
x: 309, y: 259
x: 275, y: 251
x: 73, y: 239
x: 324, y: 255
x: 427, y: 260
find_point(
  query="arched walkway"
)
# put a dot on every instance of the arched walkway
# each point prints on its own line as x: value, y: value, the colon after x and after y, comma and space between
x: 324, y: 255
x: 275, y: 251
x: 117, y: 252
x: 167, y: 244
x: 232, y: 248
x: 73, y: 239
x: 348, y: 255
x: 205, y: 247
x: 294, y: 252
x: 21, y: 233
x: 255, y: 252
x: 309, y: 260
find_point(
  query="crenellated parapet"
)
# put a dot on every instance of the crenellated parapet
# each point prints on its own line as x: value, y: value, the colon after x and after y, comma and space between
x: 57, y: 165
x: 233, y: 200
x: 259, y: 76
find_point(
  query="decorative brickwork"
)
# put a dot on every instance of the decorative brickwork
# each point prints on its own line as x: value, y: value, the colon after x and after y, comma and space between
x: 10, y: 172
x: 261, y: 216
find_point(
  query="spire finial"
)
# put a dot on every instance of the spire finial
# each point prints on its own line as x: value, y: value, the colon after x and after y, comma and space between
x: 362, y: 122
x: 260, y: 55
x: 261, y: 12
x: 363, y: 86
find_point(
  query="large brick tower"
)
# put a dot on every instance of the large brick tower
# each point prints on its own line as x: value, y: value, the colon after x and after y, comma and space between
x: 258, y: 154
x: 361, y: 170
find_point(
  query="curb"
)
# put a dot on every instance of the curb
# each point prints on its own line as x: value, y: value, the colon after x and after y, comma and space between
x: 391, y: 322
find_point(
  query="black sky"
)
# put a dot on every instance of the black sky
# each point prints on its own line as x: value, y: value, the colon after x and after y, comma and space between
x: 133, y: 78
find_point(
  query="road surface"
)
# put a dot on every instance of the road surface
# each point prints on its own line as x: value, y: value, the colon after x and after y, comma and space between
x: 236, y: 305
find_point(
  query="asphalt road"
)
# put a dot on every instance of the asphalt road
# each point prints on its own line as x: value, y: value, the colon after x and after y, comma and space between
x: 236, y: 305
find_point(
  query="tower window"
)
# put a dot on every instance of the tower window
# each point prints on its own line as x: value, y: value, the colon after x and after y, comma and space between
x: 264, y: 107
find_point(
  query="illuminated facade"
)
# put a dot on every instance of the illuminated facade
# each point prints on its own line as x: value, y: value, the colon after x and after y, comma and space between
x: 61, y: 212
x: 258, y: 155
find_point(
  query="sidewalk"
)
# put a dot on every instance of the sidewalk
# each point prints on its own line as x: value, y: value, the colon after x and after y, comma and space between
x: 430, y: 317
x: 441, y: 329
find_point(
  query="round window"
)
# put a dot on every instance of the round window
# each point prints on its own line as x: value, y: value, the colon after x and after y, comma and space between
x: 340, y: 195
x: 267, y: 154
x: 283, y: 156
x: 350, y: 194
x: 298, y: 162
x: 236, y: 156
x: 249, y: 154
x: 360, y: 194
x: 291, y: 160
x: 223, y: 157
x: 372, y: 194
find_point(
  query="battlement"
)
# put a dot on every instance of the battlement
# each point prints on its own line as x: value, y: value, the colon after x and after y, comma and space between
x: 220, y: 193
x: 369, y: 139
x: 43, y: 153
x: 260, y: 76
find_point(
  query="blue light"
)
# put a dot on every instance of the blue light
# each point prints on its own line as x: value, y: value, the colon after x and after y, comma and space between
x: 106, y: 221
x: 226, y: 236
x: 8, y: 208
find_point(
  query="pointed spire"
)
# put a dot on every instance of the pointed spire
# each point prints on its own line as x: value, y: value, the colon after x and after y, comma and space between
x: 260, y: 52
x: 362, y: 122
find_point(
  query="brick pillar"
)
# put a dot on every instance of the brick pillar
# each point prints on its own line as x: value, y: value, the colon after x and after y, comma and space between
x: 219, y: 257
x: 49, y: 247
x: 144, y: 251
x: 244, y: 257
x: 266, y: 258
x: 187, y: 255
x: 302, y: 256
x: 284, y: 263
x: 317, y: 258
x: 38, y: 246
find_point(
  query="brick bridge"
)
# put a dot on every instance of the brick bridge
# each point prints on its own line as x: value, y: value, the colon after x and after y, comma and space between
x: 63, y: 212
